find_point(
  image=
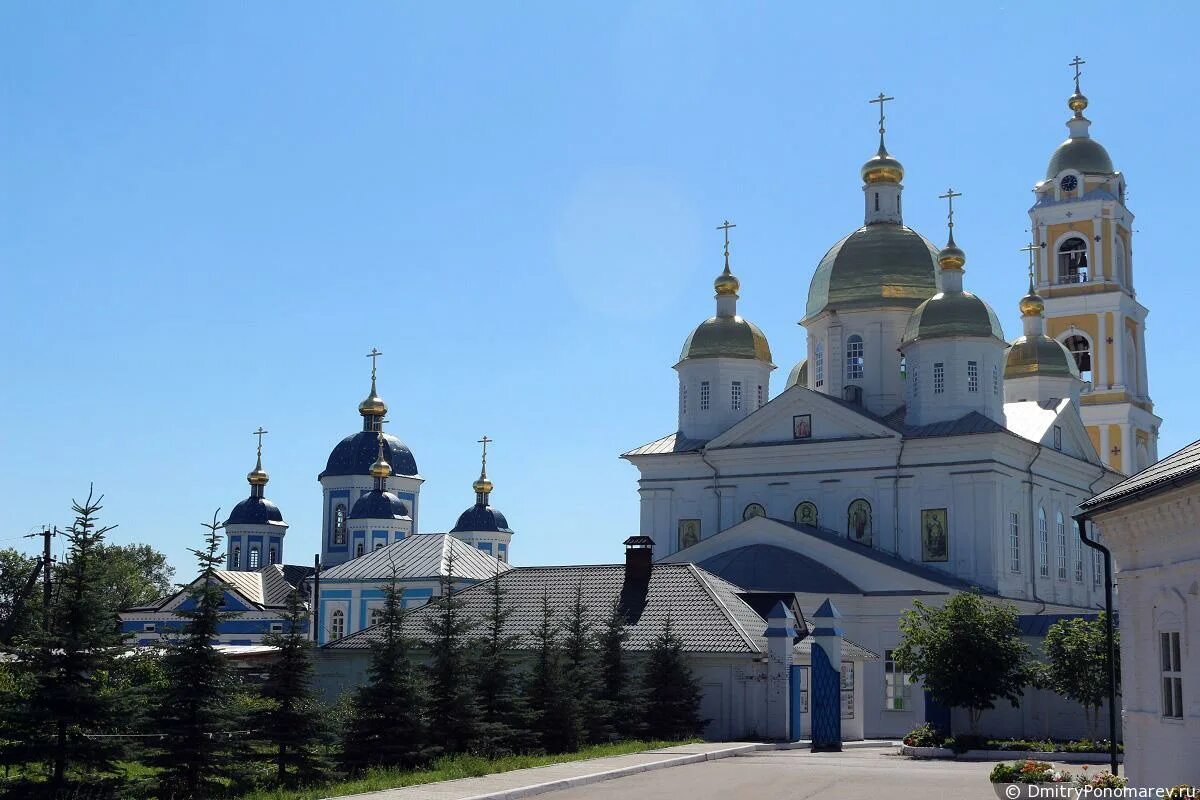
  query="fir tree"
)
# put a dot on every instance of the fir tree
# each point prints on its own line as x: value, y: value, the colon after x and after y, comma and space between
x: 291, y: 724
x: 555, y: 710
x: 453, y: 710
x: 618, y: 691
x: 196, y: 718
x: 580, y: 662
x: 387, y: 718
x: 70, y: 662
x: 672, y: 693
x: 502, y: 713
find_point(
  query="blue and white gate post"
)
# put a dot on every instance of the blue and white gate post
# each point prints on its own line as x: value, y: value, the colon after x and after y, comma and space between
x: 826, y: 694
x: 780, y: 635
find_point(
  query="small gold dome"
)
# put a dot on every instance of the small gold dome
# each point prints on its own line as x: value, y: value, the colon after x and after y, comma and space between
x: 726, y: 283
x: 258, y: 476
x: 381, y: 468
x: 1077, y: 103
x: 951, y: 257
x: 882, y: 168
x: 1032, y: 305
x: 373, y: 406
x: 482, y: 486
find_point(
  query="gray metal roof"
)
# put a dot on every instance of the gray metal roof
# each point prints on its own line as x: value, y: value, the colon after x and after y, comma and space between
x: 705, y: 611
x: 423, y: 555
x: 671, y: 443
x: 1179, y: 467
x: 850, y: 650
x: 768, y: 568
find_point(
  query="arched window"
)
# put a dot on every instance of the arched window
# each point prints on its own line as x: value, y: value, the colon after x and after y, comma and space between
x: 858, y: 522
x: 1133, y: 381
x: 1060, y: 546
x: 806, y: 513
x: 1081, y: 351
x: 375, y: 617
x: 337, y: 624
x: 754, y: 510
x: 855, y: 360
x: 1043, y: 541
x: 819, y: 365
x: 237, y: 558
x: 379, y: 545
x: 358, y: 549
x: 1073, y: 261
x: 339, y: 524
x: 271, y: 556
x: 1077, y: 558
x: 903, y: 368
x: 253, y: 558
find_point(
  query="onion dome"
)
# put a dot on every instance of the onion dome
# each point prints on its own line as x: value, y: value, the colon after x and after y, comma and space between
x: 1079, y: 152
x: 882, y: 264
x: 373, y: 405
x: 376, y: 504
x: 882, y: 168
x: 481, y: 517
x: 355, y: 455
x: 1035, y: 353
x: 799, y: 375
x: 256, y: 509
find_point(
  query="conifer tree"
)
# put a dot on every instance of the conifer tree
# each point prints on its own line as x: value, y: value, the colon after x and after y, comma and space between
x: 387, y: 720
x: 291, y: 724
x: 453, y: 709
x: 618, y: 691
x: 502, y: 712
x: 672, y: 693
x: 551, y: 700
x: 196, y: 717
x: 69, y: 663
x: 581, y: 661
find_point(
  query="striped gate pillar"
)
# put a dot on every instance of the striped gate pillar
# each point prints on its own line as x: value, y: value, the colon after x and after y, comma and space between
x: 825, y: 702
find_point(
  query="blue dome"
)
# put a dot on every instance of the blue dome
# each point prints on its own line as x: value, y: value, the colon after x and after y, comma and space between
x: 355, y: 454
x: 481, y: 519
x: 378, y: 505
x: 255, y: 511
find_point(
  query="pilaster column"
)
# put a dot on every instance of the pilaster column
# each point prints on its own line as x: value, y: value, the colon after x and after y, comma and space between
x: 781, y: 630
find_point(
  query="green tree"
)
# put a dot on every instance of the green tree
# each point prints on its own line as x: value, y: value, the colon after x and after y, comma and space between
x: 502, y: 712
x: 672, y: 693
x: 453, y: 710
x: 1076, y: 664
x: 133, y: 574
x: 20, y: 599
x: 968, y: 653
x: 195, y: 712
x: 70, y: 698
x: 387, y: 720
x: 618, y: 689
x: 552, y: 702
x: 291, y: 723
x: 581, y: 665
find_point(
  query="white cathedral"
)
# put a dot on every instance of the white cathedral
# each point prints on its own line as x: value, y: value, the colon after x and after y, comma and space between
x: 916, y: 451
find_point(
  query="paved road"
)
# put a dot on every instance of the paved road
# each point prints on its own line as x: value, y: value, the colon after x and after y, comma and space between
x: 868, y: 774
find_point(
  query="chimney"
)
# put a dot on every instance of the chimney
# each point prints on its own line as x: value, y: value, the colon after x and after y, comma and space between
x: 639, y: 555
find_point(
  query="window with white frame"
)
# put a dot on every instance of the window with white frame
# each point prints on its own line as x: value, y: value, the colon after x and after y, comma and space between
x: 237, y: 558
x: 939, y: 377
x: 896, y: 688
x: 148, y: 627
x: 1014, y: 542
x: 855, y: 358
x: 819, y: 365
x: 1097, y: 558
x: 735, y: 396
x: 1077, y: 558
x: 358, y: 549
x: 271, y: 556
x: 972, y: 376
x: 337, y: 624
x: 1172, y: 675
x: 253, y: 558
x: 379, y: 545
x: 1060, y: 546
x: 375, y: 616
x: 276, y: 627
x: 704, y: 395
x: 1043, y: 539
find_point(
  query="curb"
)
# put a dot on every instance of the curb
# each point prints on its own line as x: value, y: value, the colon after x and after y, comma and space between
x: 944, y: 754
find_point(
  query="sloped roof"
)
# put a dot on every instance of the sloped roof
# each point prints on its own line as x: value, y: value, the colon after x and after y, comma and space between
x: 1182, y: 466
x: 850, y: 650
x: 705, y: 611
x: 671, y: 443
x: 768, y: 568
x: 423, y: 555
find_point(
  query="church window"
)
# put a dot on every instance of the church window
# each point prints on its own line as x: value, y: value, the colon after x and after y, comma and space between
x: 237, y: 558
x: 858, y: 522
x: 1172, y: 675
x: 379, y: 545
x: 819, y: 364
x: 896, y: 687
x: 806, y: 513
x: 760, y: 396
x: 1077, y: 558
x: 972, y: 376
x: 339, y: 524
x: 854, y: 358
x: 253, y: 558
x: 1014, y: 542
x: 1043, y: 545
x: 903, y: 368
x: 1081, y: 351
x: 502, y: 552
x: 682, y: 398
x: 877, y: 201
x: 1097, y: 559
x: 276, y: 627
x: 939, y: 377
x: 337, y: 624
x: 704, y: 395
x: 375, y: 617
x: 271, y: 556
x: 735, y: 396
x: 754, y: 510
x: 1060, y: 546
x: 358, y: 549
x: 995, y: 380
x: 1073, y: 261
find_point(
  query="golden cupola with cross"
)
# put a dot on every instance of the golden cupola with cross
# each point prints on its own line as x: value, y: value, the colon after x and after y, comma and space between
x: 1083, y: 231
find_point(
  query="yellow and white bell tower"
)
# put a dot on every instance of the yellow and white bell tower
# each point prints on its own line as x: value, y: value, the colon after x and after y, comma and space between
x: 1085, y: 274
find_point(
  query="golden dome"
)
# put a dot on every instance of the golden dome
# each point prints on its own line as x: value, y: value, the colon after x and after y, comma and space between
x: 482, y: 485
x: 1032, y: 305
x: 1077, y: 103
x: 726, y: 283
x: 882, y: 168
x: 258, y: 476
x: 373, y: 406
x: 1039, y: 355
x: 951, y: 256
x: 381, y: 468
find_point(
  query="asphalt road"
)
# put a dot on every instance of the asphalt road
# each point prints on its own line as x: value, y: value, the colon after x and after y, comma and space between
x: 868, y: 774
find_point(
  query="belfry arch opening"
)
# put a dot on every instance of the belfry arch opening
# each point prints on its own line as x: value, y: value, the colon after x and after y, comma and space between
x: 1081, y: 350
x: 1073, y: 261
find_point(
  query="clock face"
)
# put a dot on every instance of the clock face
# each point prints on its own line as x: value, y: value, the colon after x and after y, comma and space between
x: 1068, y: 183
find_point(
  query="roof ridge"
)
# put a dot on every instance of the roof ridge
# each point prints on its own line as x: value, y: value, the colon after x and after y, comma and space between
x: 695, y: 570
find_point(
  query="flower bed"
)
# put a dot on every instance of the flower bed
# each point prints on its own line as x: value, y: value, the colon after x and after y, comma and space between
x: 1040, y: 772
x: 927, y: 737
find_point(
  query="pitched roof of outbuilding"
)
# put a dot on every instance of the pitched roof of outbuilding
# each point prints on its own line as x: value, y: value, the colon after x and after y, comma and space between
x: 1182, y: 466
x: 705, y: 611
x: 423, y: 555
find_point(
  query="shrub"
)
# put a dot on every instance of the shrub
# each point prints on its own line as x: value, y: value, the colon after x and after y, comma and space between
x: 1028, y: 772
x: 924, y: 736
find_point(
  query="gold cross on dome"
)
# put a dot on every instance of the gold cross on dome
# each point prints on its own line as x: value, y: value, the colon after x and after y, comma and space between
x: 260, y: 433
x: 374, y: 354
x: 485, y: 441
x: 725, y: 227
x: 881, y: 99
x: 1030, y: 248
x: 949, y: 198
x: 1076, y: 63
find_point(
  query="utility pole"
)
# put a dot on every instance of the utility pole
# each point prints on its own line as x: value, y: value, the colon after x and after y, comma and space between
x: 47, y: 579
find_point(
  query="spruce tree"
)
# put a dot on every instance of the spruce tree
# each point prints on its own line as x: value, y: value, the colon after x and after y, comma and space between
x: 291, y: 725
x: 453, y: 710
x: 552, y: 702
x: 69, y: 663
x: 618, y: 690
x: 502, y: 712
x: 196, y: 717
x: 580, y: 661
x: 672, y: 693
x: 387, y: 720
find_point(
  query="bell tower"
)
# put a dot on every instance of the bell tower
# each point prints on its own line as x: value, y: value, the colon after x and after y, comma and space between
x: 1084, y: 272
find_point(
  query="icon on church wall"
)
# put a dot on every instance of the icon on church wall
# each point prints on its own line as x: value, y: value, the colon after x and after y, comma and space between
x: 934, y: 542
x: 806, y: 513
x: 858, y: 522
x: 689, y: 532
x: 802, y: 426
x: 754, y: 510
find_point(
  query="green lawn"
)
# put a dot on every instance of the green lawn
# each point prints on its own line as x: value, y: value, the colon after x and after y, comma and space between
x: 446, y: 769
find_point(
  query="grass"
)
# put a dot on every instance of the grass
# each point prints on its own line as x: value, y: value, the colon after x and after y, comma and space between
x: 451, y: 768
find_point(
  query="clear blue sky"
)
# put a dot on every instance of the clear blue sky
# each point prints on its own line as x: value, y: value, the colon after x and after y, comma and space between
x: 210, y: 211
